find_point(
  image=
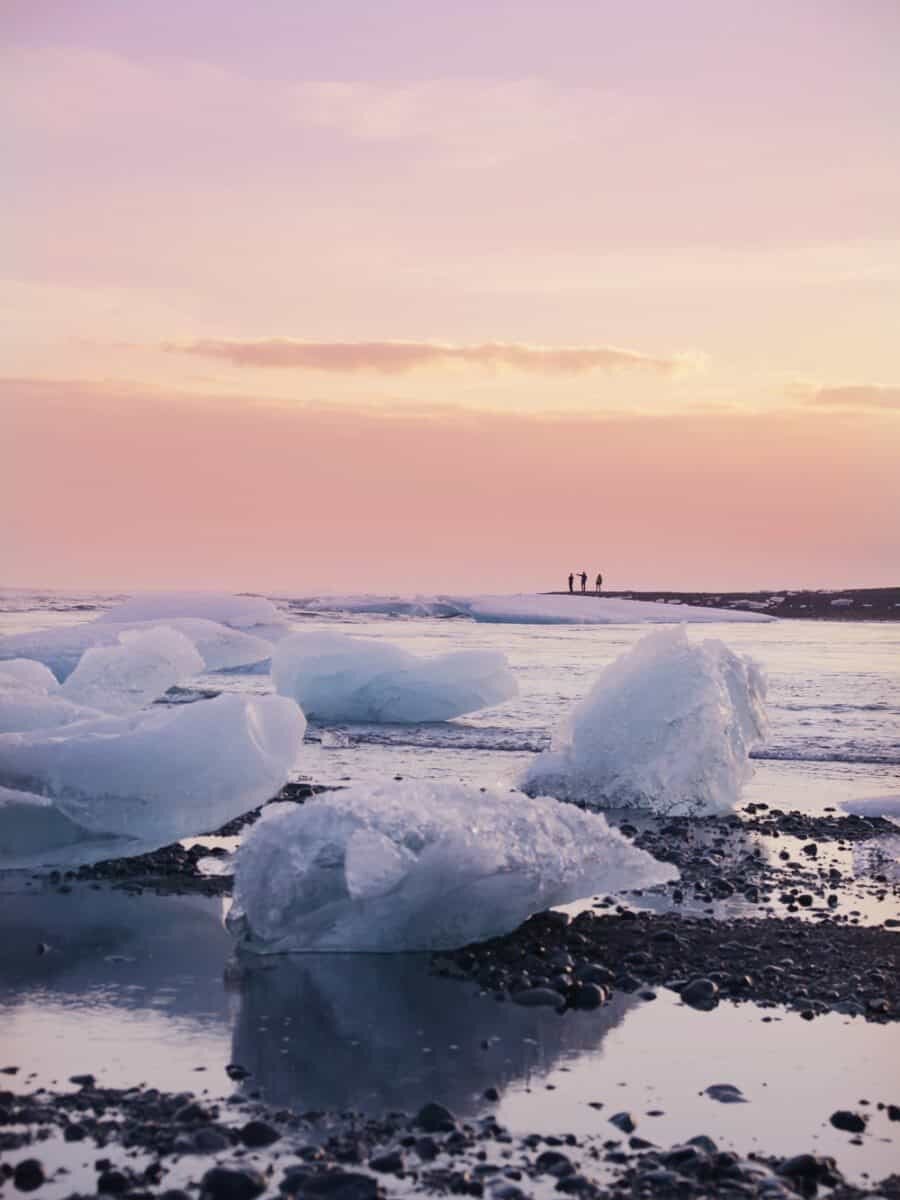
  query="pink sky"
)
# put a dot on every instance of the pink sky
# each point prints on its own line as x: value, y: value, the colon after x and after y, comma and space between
x: 416, y: 296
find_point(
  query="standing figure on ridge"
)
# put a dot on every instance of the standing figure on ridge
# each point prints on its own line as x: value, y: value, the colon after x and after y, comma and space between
x: 583, y: 578
x: 571, y: 582
x: 599, y: 582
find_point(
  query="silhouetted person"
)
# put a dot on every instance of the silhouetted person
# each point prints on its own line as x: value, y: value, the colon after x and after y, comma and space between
x: 571, y: 582
x: 583, y: 578
x: 599, y: 583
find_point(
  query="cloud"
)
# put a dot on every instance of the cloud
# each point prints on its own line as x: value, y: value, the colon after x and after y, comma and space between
x: 858, y: 396
x: 393, y: 358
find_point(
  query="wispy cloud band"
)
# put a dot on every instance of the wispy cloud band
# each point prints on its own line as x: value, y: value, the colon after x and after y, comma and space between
x: 856, y: 396
x: 392, y: 358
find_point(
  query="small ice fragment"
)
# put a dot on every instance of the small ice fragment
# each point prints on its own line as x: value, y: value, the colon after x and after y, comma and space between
x: 420, y: 866
x: 668, y: 727
x: 334, y: 677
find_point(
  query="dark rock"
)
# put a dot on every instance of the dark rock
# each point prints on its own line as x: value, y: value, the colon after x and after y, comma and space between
x: 850, y: 1122
x: 232, y: 1183
x: 701, y: 993
x: 85, y: 1081
x: 551, y: 1162
x: 210, y: 1140
x: 623, y: 1121
x: 28, y: 1175
x: 587, y: 996
x: 342, y: 1185
x: 113, y: 1183
x: 434, y: 1118
x: 257, y: 1134
x: 391, y: 1162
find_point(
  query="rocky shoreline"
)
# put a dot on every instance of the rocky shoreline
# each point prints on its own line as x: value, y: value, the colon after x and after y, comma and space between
x: 145, y: 1143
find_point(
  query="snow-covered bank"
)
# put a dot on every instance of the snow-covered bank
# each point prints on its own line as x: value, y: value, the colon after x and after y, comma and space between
x: 418, y: 866
x: 527, y: 609
x: 668, y: 726
x: 338, y: 678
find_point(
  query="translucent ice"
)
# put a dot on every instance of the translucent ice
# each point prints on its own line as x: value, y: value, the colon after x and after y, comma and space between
x: 251, y: 613
x: 668, y: 727
x: 124, y: 678
x: 420, y: 866
x: 154, y: 776
x: 30, y: 698
x: 219, y: 646
x: 338, y: 678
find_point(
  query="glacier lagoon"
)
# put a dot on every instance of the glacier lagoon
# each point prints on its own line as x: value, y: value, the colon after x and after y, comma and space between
x: 135, y: 991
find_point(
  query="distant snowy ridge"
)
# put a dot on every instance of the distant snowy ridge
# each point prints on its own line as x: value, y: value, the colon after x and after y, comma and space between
x: 527, y: 609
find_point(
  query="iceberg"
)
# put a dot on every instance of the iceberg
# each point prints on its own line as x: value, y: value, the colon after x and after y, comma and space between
x: 149, y: 777
x: 420, y: 866
x: 667, y: 727
x: 253, y: 614
x: 334, y: 677
x: 219, y: 646
x: 30, y: 698
x: 123, y: 678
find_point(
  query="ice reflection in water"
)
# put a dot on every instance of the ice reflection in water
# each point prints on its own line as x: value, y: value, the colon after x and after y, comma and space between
x: 380, y: 1032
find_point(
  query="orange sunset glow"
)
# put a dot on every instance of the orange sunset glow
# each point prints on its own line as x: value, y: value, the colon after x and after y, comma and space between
x: 435, y: 298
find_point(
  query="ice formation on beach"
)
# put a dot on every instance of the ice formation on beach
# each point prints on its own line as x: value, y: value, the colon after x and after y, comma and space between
x: 530, y: 609
x: 668, y: 727
x: 252, y: 614
x: 334, y: 677
x: 30, y: 698
x: 150, y: 777
x: 219, y: 646
x: 420, y: 866
x: 123, y: 678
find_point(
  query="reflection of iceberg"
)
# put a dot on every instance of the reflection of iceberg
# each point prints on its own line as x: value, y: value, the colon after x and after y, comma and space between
x: 146, y: 779
x: 381, y: 1033
x: 338, y: 678
x: 128, y: 987
x: 668, y: 726
x: 418, y: 866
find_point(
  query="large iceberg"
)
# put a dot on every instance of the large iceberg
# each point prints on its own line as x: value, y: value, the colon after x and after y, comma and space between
x: 531, y: 609
x: 668, y: 727
x: 419, y: 866
x: 61, y: 649
x: 148, y: 778
x: 334, y: 677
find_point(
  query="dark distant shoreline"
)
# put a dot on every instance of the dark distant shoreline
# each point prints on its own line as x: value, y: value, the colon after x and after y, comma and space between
x: 848, y: 604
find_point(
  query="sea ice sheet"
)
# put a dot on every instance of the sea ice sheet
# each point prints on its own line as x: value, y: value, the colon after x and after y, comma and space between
x: 151, y: 777
x: 668, y: 727
x: 334, y: 677
x: 419, y: 866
